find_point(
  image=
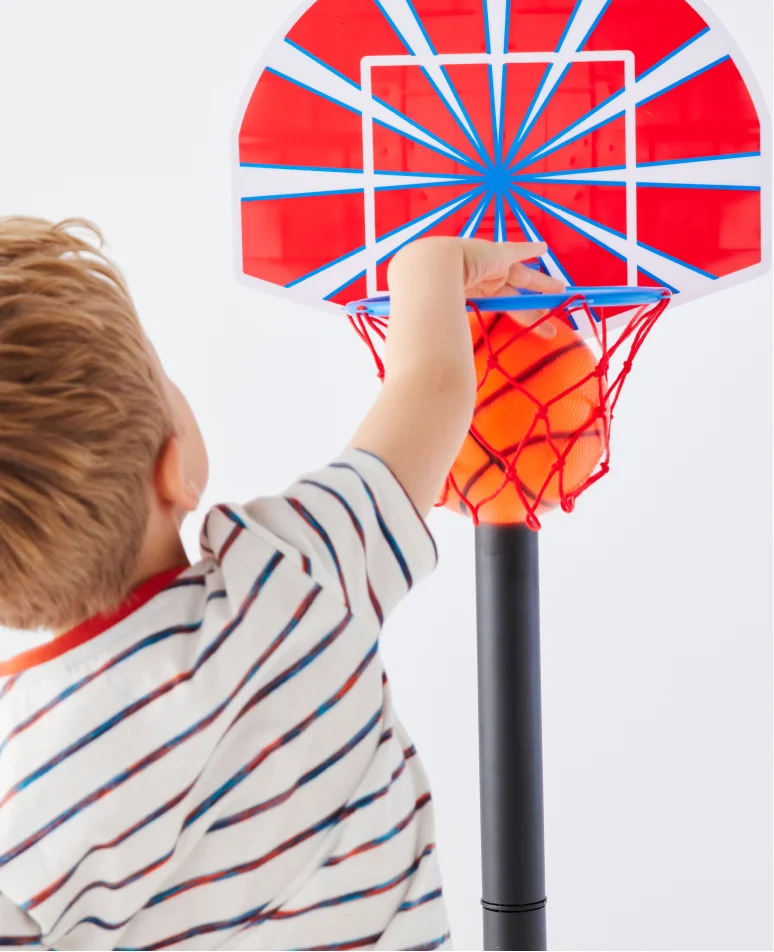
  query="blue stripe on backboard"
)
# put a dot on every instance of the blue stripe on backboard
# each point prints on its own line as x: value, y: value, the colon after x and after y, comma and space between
x: 658, y: 280
x: 324, y: 267
x: 683, y: 80
x: 674, y: 52
x: 327, y: 66
x: 346, y: 284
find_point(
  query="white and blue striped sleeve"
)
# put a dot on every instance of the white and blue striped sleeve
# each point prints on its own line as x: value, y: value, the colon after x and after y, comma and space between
x: 356, y: 531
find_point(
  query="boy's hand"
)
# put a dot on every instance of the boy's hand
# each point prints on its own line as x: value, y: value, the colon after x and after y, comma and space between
x: 423, y: 412
x: 496, y: 269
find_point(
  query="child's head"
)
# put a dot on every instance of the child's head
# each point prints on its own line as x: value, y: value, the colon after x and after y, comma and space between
x: 100, y: 456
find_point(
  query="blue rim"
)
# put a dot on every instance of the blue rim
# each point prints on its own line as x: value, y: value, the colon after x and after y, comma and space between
x: 595, y: 297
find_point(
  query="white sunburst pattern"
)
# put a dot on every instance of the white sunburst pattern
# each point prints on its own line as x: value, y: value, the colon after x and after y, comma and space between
x: 505, y: 181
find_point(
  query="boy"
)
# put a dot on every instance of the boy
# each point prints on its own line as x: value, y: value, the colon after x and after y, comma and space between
x: 206, y: 756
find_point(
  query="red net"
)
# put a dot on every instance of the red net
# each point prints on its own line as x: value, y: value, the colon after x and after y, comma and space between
x: 540, y: 435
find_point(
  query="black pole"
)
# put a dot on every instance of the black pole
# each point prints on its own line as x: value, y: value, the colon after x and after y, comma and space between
x: 510, y: 738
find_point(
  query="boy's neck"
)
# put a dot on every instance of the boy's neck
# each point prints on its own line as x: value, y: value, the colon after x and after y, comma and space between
x: 165, y: 554
x: 162, y: 551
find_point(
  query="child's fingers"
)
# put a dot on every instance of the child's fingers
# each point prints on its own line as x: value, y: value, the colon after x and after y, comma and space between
x: 505, y: 260
x: 497, y: 269
x: 523, y: 250
x: 505, y: 251
x: 533, y: 280
x: 485, y: 260
x: 528, y: 318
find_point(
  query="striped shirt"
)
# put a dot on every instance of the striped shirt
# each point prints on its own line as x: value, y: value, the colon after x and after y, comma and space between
x: 218, y: 764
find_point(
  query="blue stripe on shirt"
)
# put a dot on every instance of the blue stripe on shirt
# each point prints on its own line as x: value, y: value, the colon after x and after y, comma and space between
x: 375, y: 795
x: 361, y: 535
x: 410, y: 500
x: 300, y: 509
x: 232, y: 537
x: 410, y: 904
x: 384, y: 837
x: 336, y: 495
x: 428, y: 946
x: 256, y: 916
x: 294, y: 669
x: 279, y: 742
x: 389, y: 537
x: 388, y: 884
x: 134, y: 877
x: 220, y: 925
x: 360, y: 943
x: 305, y: 778
x: 160, y: 811
x: 229, y: 513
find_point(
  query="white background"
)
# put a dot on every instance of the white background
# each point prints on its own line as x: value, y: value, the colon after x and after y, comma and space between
x: 656, y: 593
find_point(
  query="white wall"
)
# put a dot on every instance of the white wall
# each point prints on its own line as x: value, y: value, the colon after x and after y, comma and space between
x: 656, y: 593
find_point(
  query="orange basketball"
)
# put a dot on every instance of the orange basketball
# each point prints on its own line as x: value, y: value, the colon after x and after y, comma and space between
x: 505, y: 414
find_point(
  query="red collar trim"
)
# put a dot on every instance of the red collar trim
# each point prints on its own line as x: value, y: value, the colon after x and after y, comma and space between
x: 90, y: 628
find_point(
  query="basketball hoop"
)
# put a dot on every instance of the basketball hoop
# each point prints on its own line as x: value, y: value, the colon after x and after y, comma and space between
x: 551, y: 439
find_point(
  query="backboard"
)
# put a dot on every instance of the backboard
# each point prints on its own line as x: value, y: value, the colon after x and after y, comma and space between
x: 627, y: 134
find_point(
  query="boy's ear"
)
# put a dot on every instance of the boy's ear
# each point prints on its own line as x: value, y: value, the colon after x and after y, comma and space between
x: 173, y: 487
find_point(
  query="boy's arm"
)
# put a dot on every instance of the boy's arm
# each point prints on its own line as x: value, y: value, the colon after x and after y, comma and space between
x: 423, y: 412
x: 352, y: 526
